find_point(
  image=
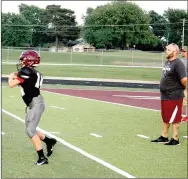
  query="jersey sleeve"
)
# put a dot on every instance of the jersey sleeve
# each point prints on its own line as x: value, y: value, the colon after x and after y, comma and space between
x: 180, y: 69
x: 24, y: 74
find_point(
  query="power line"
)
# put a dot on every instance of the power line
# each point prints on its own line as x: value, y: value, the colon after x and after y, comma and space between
x: 125, y: 25
x: 114, y: 31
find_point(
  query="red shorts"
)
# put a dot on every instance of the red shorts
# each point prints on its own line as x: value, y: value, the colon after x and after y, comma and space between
x: 171, y: 110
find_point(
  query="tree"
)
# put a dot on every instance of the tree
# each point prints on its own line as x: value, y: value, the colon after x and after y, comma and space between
x: 62, y: 24
x: 35, y: 16
x: 175, y: 28
x: 158, y: 24
x: 13, y: 31
x: 123, y: 22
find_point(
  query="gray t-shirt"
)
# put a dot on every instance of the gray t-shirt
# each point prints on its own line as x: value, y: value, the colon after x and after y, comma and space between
x: 170, y: 84
x: 184, y: 60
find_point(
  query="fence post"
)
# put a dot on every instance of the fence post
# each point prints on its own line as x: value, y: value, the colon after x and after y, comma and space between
x: 132, y: 57
x: 39, y: 50
x: 71, y: 57
x: 102, y: 58
x: 8, y: 54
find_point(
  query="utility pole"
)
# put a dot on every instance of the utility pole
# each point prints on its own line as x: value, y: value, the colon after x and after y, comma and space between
x: 183, y: 33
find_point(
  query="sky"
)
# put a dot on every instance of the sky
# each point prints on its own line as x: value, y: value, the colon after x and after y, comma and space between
x: 80, y: 7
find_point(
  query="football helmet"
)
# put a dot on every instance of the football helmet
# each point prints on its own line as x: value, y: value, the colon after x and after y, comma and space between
x: 29, y: 58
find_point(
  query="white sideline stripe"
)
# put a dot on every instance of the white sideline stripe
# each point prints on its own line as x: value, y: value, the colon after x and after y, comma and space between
x: 2, y: 133
x: 106, y: 164
x: 57, y: 107
x: 102, y: 101
x: 95, y: 135
x: 174, y: 114
x: 143, y: 136
x: 185, y: 137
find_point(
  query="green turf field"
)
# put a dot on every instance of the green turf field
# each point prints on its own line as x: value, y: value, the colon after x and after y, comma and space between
x: 119, y: 144
x: 94, y: 72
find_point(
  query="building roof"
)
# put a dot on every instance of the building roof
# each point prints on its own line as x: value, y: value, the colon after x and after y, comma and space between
x: 84, y: 45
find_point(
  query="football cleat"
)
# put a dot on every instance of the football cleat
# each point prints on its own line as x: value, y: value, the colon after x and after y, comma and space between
x: 50, y: 147
x: 42, y: 161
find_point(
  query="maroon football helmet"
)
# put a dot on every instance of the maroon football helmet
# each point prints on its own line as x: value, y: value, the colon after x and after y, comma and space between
x: 30, y: 58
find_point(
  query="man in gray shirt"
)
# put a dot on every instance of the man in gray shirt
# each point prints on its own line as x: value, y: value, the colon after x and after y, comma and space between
x: 172, y: 85
x: 185, y: 62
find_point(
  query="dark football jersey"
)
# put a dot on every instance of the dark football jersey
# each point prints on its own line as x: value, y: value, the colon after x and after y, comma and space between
x: 170, y: 84
x: 30, y: 83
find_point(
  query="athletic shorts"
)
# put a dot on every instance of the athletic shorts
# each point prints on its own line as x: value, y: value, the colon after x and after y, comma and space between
x: 171, y: 110
x: 185, y: 98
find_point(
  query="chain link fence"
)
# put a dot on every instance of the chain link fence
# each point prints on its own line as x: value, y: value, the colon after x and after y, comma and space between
x: 66, y: 56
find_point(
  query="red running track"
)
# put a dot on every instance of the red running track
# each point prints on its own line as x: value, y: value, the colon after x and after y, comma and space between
x: 149, y: 100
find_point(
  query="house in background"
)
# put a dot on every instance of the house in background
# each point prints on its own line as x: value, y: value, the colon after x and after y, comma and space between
x: 83, y: 47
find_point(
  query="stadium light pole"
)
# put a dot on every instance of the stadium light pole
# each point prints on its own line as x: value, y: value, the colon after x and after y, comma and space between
x: 183, y: 35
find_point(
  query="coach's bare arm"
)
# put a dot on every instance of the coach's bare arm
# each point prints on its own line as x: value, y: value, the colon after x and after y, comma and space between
x: 184, y: 82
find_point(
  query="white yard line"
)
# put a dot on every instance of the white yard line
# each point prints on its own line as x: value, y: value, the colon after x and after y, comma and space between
x: 102, y: 162
x: 143, y: 136
x: 95, y: 135
x: 103, y: 101
x: 185, y: 137
x: 57, y: 107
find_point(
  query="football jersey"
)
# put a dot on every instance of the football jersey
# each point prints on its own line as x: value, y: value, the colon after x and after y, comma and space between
x: 170, y: 84
x: 30, y: 83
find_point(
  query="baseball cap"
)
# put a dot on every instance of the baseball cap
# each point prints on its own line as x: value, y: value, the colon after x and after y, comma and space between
x: 184, y: 48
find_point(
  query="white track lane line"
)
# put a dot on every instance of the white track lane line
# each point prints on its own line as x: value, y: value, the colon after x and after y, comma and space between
x: 106, y: 164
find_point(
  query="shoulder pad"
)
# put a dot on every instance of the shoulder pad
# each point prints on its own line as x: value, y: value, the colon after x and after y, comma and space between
x: 25, y: 72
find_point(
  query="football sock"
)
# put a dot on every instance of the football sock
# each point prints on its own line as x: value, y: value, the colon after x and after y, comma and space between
x: 40, y: 153
x: 47, y: 140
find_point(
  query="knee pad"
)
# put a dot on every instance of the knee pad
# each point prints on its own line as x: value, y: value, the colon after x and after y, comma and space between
x: 30, y: 131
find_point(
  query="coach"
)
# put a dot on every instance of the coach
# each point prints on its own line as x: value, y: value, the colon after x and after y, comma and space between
x: 172, y: 85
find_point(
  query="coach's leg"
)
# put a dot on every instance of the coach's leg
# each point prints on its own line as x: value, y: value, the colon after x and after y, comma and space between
x: 165, y: 113
x: 175, y: 129
x: 165, y: 128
